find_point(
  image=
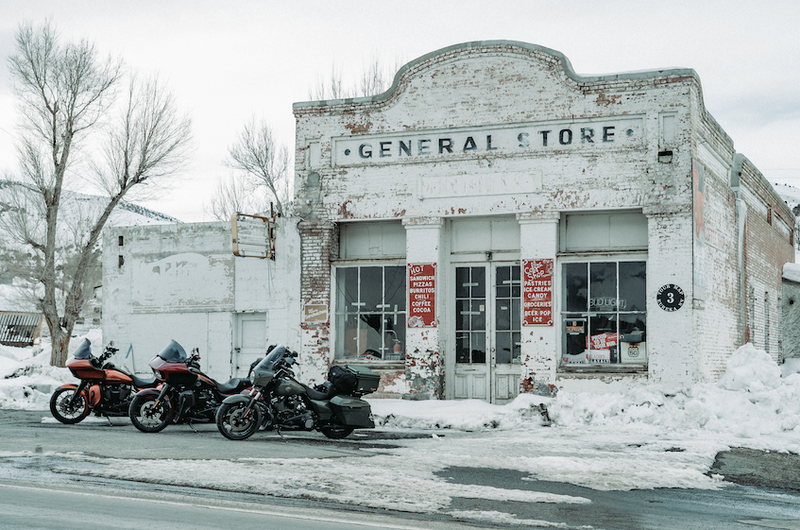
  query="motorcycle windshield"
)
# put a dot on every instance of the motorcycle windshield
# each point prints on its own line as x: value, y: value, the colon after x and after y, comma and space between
x: 268, y: 362
x: 173, y: 353
x: 84, y: 351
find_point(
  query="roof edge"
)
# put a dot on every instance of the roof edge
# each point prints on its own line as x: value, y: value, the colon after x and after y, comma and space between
x: 565, y: 62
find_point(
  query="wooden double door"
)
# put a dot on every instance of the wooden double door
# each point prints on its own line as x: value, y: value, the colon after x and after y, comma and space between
x: 487, y: 314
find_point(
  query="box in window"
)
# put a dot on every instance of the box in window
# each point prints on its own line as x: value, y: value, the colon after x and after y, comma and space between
x: 600, y: 356
x: 575, y: 358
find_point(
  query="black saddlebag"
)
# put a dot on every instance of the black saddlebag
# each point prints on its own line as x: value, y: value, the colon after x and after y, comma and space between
x: 353, y: 380
x: 352, y: 411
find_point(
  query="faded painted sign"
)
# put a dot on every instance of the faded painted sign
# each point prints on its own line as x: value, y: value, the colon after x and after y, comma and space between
x: 612, y: 132
x: 422, y: 295
x: 315, y: 313
x: 537, y: 292
x: 699, y: 218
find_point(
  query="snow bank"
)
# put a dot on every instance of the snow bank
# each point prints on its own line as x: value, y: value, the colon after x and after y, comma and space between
x: 791, y: 272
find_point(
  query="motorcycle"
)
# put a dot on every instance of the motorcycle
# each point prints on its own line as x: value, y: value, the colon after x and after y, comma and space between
x: 184, y: 395
x: 104, y: 389
x: 279, y: 402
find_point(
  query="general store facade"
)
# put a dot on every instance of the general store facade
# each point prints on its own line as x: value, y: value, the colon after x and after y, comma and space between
x: 495, y: 223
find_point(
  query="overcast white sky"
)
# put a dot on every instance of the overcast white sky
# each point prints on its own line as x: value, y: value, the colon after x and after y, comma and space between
x: 229, y: 60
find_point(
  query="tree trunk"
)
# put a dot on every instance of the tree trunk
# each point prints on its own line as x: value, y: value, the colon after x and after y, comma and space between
x: 59, y: 350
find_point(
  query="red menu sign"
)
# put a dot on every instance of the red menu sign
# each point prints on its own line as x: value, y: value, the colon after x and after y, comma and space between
x: 422, y: 295
x: 537, y: 292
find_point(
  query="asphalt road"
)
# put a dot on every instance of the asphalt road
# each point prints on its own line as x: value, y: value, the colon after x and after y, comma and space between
x: 764, y: 490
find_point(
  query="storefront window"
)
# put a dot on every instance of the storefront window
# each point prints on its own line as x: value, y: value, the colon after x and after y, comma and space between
x: 370, y: 313
x: 604, y: 318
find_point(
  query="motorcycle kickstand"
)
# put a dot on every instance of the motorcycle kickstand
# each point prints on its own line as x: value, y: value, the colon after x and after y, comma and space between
x: 192, y: 426
x: 278, y: 430
x: 108, y: 419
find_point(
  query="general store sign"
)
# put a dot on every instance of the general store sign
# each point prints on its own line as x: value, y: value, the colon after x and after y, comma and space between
x: 422, y: 295
x: 440, y: 144
x: 537, y: 292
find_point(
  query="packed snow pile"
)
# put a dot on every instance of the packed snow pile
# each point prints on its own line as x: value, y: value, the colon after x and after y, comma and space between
x: 26, y: 378
x: 755, y: 397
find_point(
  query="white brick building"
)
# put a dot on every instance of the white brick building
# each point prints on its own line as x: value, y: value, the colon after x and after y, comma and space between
x: 496, y: 223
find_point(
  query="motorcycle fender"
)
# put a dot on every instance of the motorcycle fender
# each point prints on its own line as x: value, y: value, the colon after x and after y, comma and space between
x: 94, y: 395
x: 237, y: 398
x: 146, y: 391
x: 69, y: 385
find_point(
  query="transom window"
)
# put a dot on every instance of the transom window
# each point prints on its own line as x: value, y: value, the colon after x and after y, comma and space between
x: 604, y: 318
x: 370, y: 313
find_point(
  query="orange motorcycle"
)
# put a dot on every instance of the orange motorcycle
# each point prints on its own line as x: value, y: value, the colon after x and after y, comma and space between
x: 104, y: 389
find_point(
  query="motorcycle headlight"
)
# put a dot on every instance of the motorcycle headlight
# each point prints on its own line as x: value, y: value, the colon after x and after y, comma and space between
x: 159, y: 374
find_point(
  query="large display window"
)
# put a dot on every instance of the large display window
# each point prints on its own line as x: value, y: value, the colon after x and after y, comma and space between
x: 604, y: 317
x: 370, y: 313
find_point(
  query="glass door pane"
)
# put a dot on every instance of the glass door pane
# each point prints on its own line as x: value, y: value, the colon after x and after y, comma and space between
x: 471, y: 315
x: 507, y: 315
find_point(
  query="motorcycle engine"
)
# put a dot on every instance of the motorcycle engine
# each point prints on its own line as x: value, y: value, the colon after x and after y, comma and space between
x: 291, y: 411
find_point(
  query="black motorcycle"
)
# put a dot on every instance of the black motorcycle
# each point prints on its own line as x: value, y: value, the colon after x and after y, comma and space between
x: 184, y: 395
x: 278, y: 401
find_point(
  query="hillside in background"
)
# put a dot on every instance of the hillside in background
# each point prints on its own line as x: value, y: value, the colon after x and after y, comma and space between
x: 75, y: 206
x: 789, y: 194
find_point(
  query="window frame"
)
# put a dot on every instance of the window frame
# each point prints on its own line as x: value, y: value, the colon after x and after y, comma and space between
x: 337, y: 267
x: 588, y: 258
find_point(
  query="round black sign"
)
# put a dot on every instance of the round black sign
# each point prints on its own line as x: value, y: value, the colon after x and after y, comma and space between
x: 670, y: 297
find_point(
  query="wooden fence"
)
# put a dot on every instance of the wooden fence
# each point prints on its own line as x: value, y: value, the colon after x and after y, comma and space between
x: 20, y: 329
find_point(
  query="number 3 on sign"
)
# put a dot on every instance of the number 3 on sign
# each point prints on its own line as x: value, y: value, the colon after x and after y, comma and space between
x: 670, y: 297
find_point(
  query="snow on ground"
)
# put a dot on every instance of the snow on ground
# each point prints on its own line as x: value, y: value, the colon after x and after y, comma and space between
x: 646, y: 437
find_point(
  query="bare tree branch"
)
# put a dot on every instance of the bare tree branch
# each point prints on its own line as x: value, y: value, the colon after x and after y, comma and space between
x: 257, y: 154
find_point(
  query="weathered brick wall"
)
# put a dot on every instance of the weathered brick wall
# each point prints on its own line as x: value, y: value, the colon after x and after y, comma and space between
x: 717, y: 327
x: 768, y: 245
x: 319, y: 244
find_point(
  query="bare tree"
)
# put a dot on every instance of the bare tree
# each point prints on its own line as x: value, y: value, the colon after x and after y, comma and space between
x: 236, y: 193
x: 375, y: 78
x: 65, y: 93
x: 257, y: 154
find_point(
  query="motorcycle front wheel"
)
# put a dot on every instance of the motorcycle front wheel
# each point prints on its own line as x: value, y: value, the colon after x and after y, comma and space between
x: 232, y: 422
x: 148, y: 415
x: 64, y: 410
x: 336, y: 432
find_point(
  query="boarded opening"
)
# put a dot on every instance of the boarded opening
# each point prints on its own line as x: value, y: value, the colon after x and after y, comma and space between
x: 20, y: 329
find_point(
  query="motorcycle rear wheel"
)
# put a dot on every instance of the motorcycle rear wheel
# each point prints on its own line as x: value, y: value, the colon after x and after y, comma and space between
x: 149, y: 416
x: 336, y: 432
x: 64, y: 411
x: 232, y: 423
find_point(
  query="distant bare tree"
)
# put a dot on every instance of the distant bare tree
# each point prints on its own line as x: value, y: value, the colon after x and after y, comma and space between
x: 261, y: 160
x: 236, y: 193
x: 65, y: 93
x: 375, y: 78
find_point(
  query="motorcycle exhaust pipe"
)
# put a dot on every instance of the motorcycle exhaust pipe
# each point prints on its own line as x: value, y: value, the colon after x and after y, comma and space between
x: 306, y: 420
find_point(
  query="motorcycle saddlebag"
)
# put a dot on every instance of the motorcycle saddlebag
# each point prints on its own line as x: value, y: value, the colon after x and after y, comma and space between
x: 352, y: 411
x: 353, y: 380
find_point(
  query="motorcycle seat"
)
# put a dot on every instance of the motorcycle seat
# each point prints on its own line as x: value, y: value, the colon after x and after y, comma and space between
x: 143, y: 382
x: 326, y: 391
x: 233, y: 386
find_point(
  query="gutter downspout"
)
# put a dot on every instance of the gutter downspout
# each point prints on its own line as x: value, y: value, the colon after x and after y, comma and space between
x: 741, y: 223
